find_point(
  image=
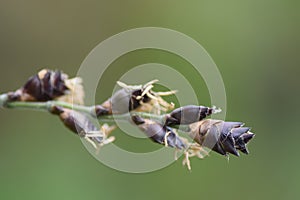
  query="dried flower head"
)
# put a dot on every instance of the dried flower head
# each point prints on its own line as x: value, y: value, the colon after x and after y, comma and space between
x: 140, y: 98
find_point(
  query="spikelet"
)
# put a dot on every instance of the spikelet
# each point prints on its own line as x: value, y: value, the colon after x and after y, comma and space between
x: 138, y: 98
x: 82, y: 126
x: 220, y: 136
x: 159, y: 133
x: 189, y: 114
x: 50, y: 85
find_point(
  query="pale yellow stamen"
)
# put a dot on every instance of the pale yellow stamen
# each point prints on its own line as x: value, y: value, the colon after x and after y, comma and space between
x: 146, y: 91
x: 167, y: 93
x: 166, y: 138
x: 186, y: 161
x: 150, y: 83
x: 91, y: 142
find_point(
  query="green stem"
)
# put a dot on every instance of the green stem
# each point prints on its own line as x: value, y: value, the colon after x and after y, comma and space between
x: 46, y: 106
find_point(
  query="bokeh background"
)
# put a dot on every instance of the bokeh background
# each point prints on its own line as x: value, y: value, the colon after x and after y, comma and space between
x: 256, y: 47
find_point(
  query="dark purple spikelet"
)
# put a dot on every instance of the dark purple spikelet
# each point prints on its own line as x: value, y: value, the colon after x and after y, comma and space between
x: 159, y: 133
x: 222, y: 137
x: 188, y: 115
x: 44, y: 86
x: 139, y: 98
x: 125, y: 100
x: 77, y: 122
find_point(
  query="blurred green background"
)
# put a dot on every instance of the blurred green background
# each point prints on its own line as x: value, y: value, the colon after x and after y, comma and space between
x: 254, y: 43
